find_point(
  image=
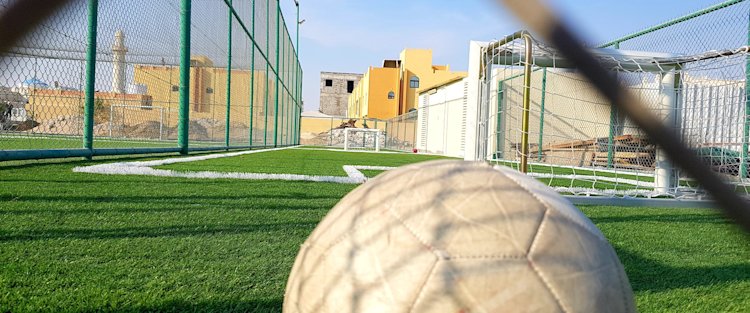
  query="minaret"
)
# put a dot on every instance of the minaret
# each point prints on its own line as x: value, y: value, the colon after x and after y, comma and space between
x: 118, y: 63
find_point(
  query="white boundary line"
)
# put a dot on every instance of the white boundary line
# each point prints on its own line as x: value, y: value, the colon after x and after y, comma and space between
x: 354, y: 176
x: 145, y: 168
x: 589, y: 178
x: 352, y: 150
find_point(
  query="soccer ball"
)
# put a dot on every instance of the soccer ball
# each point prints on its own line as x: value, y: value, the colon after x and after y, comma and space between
x: 450, y: 236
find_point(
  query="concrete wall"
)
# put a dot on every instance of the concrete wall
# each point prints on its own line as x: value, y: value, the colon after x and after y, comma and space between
x: 442, y: 120
x: 334, y: 99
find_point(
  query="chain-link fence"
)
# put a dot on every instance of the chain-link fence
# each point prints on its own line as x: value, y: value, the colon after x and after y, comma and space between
x: 691, y: 71
x: 401, y: 132
x: 172, y: 75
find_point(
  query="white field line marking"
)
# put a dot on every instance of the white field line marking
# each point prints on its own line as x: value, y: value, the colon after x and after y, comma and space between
x: 351, y: 151
x: 590, y: 178
x: 354, y: 176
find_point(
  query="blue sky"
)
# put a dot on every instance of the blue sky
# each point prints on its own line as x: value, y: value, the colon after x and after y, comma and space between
x: 351, y: 35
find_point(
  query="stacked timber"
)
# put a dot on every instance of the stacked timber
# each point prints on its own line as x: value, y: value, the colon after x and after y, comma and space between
x: 631, y: 152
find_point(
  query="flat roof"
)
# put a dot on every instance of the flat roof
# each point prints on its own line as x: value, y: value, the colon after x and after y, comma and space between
x: 441, y: 84
x: 341, y: 73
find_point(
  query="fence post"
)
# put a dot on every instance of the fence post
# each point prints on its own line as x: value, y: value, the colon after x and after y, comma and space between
x: 88, y: 109
x: 111, y: 115
x: 278, y: 58
x: 252, y: 81
x: 229, y: 75
x: 301, y: 102
x: 500, y: 126
x: 398, y: 133
x: 746, y: 134
x: 287, y: 113
x: 268, y: 49
x: 612, y: 129
x: 541, y: 116
x: 161, y: 124
x: 298, y: 86
x: 184, y: 113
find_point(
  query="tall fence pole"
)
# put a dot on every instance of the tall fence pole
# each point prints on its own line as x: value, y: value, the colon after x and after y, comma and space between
x: 540, y: 152
x: 268, y: 49
x: 746, y: 133
x: 500, y: 126
x: 88, y: 109
x: 229, y: 76
x: 183, y: 130
x: 285, y: 99
x: 298, y: 83
x: 278, y: 59
x: 252, y: 83
x: 301, y: 103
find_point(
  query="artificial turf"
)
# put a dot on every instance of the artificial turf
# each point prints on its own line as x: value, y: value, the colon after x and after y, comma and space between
x: 60, y: 142
x: 330, y: 162
x: 300, y: 161
x: 83, y: 242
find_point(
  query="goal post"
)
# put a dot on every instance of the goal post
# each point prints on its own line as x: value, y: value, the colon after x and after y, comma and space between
x: 136, y: 122
x: 362, y: 139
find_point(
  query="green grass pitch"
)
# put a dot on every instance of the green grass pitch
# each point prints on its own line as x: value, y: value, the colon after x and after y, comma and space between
x: 77, y: 242
x: 21, y: 142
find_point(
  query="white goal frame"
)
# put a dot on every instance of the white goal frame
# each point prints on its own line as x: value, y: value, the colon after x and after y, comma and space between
x: 377, y: 133
x: 113, y: 108
x: 480, y: 77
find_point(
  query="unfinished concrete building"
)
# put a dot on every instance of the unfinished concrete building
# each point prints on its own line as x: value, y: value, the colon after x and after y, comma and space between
x: 335, y: 89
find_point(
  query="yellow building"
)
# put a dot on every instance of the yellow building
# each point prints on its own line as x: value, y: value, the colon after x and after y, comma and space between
x: 157, y: 100
x: 208, y: 90
x: 392, y: 90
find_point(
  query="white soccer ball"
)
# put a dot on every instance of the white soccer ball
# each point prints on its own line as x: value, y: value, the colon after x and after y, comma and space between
x: 451, y: 236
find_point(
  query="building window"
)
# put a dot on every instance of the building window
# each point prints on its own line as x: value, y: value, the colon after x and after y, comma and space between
x: 329, y: 82
x: 414, y: 82
x: 175, y: 88
x: 209, y: 90
x: 350, y: 86
x: 391, y: 95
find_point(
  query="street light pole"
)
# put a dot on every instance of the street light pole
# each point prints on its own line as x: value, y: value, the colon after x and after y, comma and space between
x: 298, y: 79
x: 296, y: 3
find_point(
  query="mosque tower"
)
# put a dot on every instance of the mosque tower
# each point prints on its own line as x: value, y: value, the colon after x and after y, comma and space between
x: 118, y: 63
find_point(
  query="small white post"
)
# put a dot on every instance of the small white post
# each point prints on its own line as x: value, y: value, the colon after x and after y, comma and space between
x: 161, y: 124
x: 111, y: 116
x: 346, y: 139
x: 377, y: 140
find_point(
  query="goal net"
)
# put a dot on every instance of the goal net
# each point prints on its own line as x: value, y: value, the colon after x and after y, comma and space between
x: 538, y: 115
x: 138, y: 122
x: 363, y: 139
